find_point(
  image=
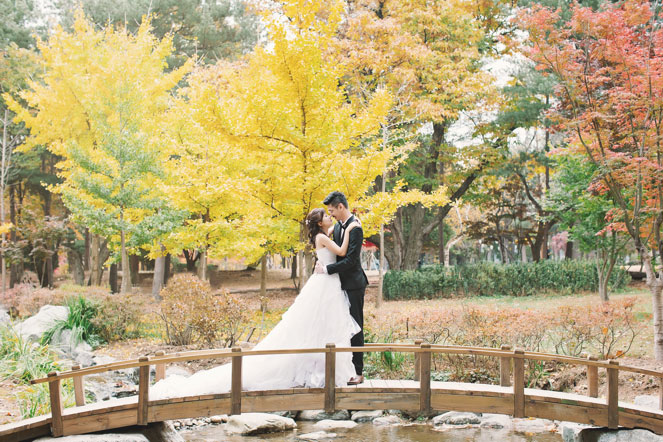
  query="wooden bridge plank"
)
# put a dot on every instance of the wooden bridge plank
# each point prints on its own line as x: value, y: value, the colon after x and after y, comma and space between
x: 100, y: 422
x: 377, y: 401
x: 566, y: 412
x: 26, y: 429
x: 302, y: 401
x: 478, y: 403
x: 187, y: 409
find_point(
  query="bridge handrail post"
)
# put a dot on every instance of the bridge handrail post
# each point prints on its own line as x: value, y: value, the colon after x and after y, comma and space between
x: 417, y: 360
x: 424, y: 380
x: 330, y: 379
x: 505, y: 367
x: 592, y: 377
x: 79, y: 392
x: 236, y: 383
x: 143, y: 391
x: 518, y: 383
x: 613, y: 394
x: 160, y: 369
x: 57, y: 429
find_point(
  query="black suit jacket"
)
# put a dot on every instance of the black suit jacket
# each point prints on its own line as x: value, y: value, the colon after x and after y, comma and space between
x: 349, y: 267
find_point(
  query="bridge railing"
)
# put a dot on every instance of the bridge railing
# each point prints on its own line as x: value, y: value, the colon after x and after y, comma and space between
x: 511, y: 364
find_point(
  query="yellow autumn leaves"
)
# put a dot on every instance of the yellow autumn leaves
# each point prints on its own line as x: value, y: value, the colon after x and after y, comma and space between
x: 244, y: 149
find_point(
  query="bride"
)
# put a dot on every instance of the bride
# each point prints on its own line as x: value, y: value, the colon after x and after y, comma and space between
x: 320, y: 315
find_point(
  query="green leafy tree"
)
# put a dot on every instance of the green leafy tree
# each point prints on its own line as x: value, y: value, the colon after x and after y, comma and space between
x: 585, y: 213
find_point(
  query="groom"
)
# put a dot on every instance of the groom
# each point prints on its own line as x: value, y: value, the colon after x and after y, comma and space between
x: 353, y: 278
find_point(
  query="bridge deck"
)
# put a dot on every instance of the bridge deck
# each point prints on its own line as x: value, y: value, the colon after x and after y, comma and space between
x: 372, y: 395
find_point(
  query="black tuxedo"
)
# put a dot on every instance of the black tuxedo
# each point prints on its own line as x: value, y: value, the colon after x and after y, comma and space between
x: 353, y: 281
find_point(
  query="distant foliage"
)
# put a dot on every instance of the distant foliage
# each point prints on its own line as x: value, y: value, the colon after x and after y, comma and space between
x: 192, y: 313
x: 487, y: 279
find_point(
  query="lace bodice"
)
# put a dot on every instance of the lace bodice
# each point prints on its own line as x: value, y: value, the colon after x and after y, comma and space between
x: 325, y: 256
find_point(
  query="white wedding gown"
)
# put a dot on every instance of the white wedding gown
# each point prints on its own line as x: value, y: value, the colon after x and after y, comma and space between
x: 320, y: 315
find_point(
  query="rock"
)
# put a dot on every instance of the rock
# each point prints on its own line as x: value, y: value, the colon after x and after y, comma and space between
x: 319, y: 415
x: 102, y: 359
x: 328, y: 424
x: 605, y: 435
x: 162, y: 432
x: 496, y: 421
x: 318, y: 435
x: 258, y: 423
x: 366, y: 416
x: 290, y: 414
x: 387, y: 420
x: 35, y: 326
x: 646, y: 400
x: 456, y: 418
x: 219, y: 419
x: 570, y: 431
x: 110, y: 437
x: 533, y: 425
x: 4, y: 316
x: 84, y: 358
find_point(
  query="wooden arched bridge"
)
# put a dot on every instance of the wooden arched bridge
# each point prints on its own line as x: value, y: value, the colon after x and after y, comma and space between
x: 510, y: 397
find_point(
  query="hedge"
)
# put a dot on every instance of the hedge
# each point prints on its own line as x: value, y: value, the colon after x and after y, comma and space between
x: 488, y: 279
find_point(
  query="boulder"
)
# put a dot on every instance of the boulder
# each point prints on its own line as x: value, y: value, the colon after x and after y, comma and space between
x: 605, y: 435
x: 319, y: 415
x: 35, y: 326
x: 533, y: 425
x: 328, y: 424
x: 317, y: 435
x: 387, y: 420
x: 496, y: 421
x: 162, y: 432
x: 456, y: 418
x: 570, y: 431
x: 258, y: 423
x: 4, y: 316
x: 366, y: 416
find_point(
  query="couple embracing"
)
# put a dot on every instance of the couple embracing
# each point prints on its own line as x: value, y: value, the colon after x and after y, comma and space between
x: 328, y: 310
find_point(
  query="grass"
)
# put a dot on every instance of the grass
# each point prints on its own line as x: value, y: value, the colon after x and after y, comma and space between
x: 79, y: 321
x: 22, y: 359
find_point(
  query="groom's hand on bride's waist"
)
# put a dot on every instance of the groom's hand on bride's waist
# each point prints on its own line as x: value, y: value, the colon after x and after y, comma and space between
x: 319, y: 268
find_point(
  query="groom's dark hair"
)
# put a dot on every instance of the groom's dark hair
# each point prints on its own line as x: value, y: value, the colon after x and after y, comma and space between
x: 335, y: 198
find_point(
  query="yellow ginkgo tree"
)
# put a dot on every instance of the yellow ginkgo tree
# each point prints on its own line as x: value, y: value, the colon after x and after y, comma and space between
x: 100, y: 107
x: 282, y: 118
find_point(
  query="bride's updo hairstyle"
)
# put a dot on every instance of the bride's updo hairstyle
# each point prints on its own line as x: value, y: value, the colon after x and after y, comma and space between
x: 312, y: 223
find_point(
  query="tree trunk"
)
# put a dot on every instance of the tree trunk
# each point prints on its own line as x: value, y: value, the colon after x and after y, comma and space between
x: 86, y: 256
x: 191, y: 257
x: 94, y: 260
x: 308, y: 265
x: 603, y: 278
x: 263, y: 276
x: 166, y: 270
x: 104, y: 254
x: 202, y: 265
x: 76, y: 266
x: 134, y: 263
x: 568, y: 253
x: 158, y: 279
x: 126, y: 267
x: 112, y: 277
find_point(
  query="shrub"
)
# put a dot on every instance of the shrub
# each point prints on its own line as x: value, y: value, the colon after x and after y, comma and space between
x: 488, y: 279
x: 82, y: 312
x: 193, y: 314
x: 25, y: 300
x: 118, y: 316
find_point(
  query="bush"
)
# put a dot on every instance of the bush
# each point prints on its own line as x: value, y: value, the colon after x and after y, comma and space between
x: 193, y: 314
x: 118, y: 316
x: 25, y: 300
x: 488, y: 279
x: 82, y: 312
